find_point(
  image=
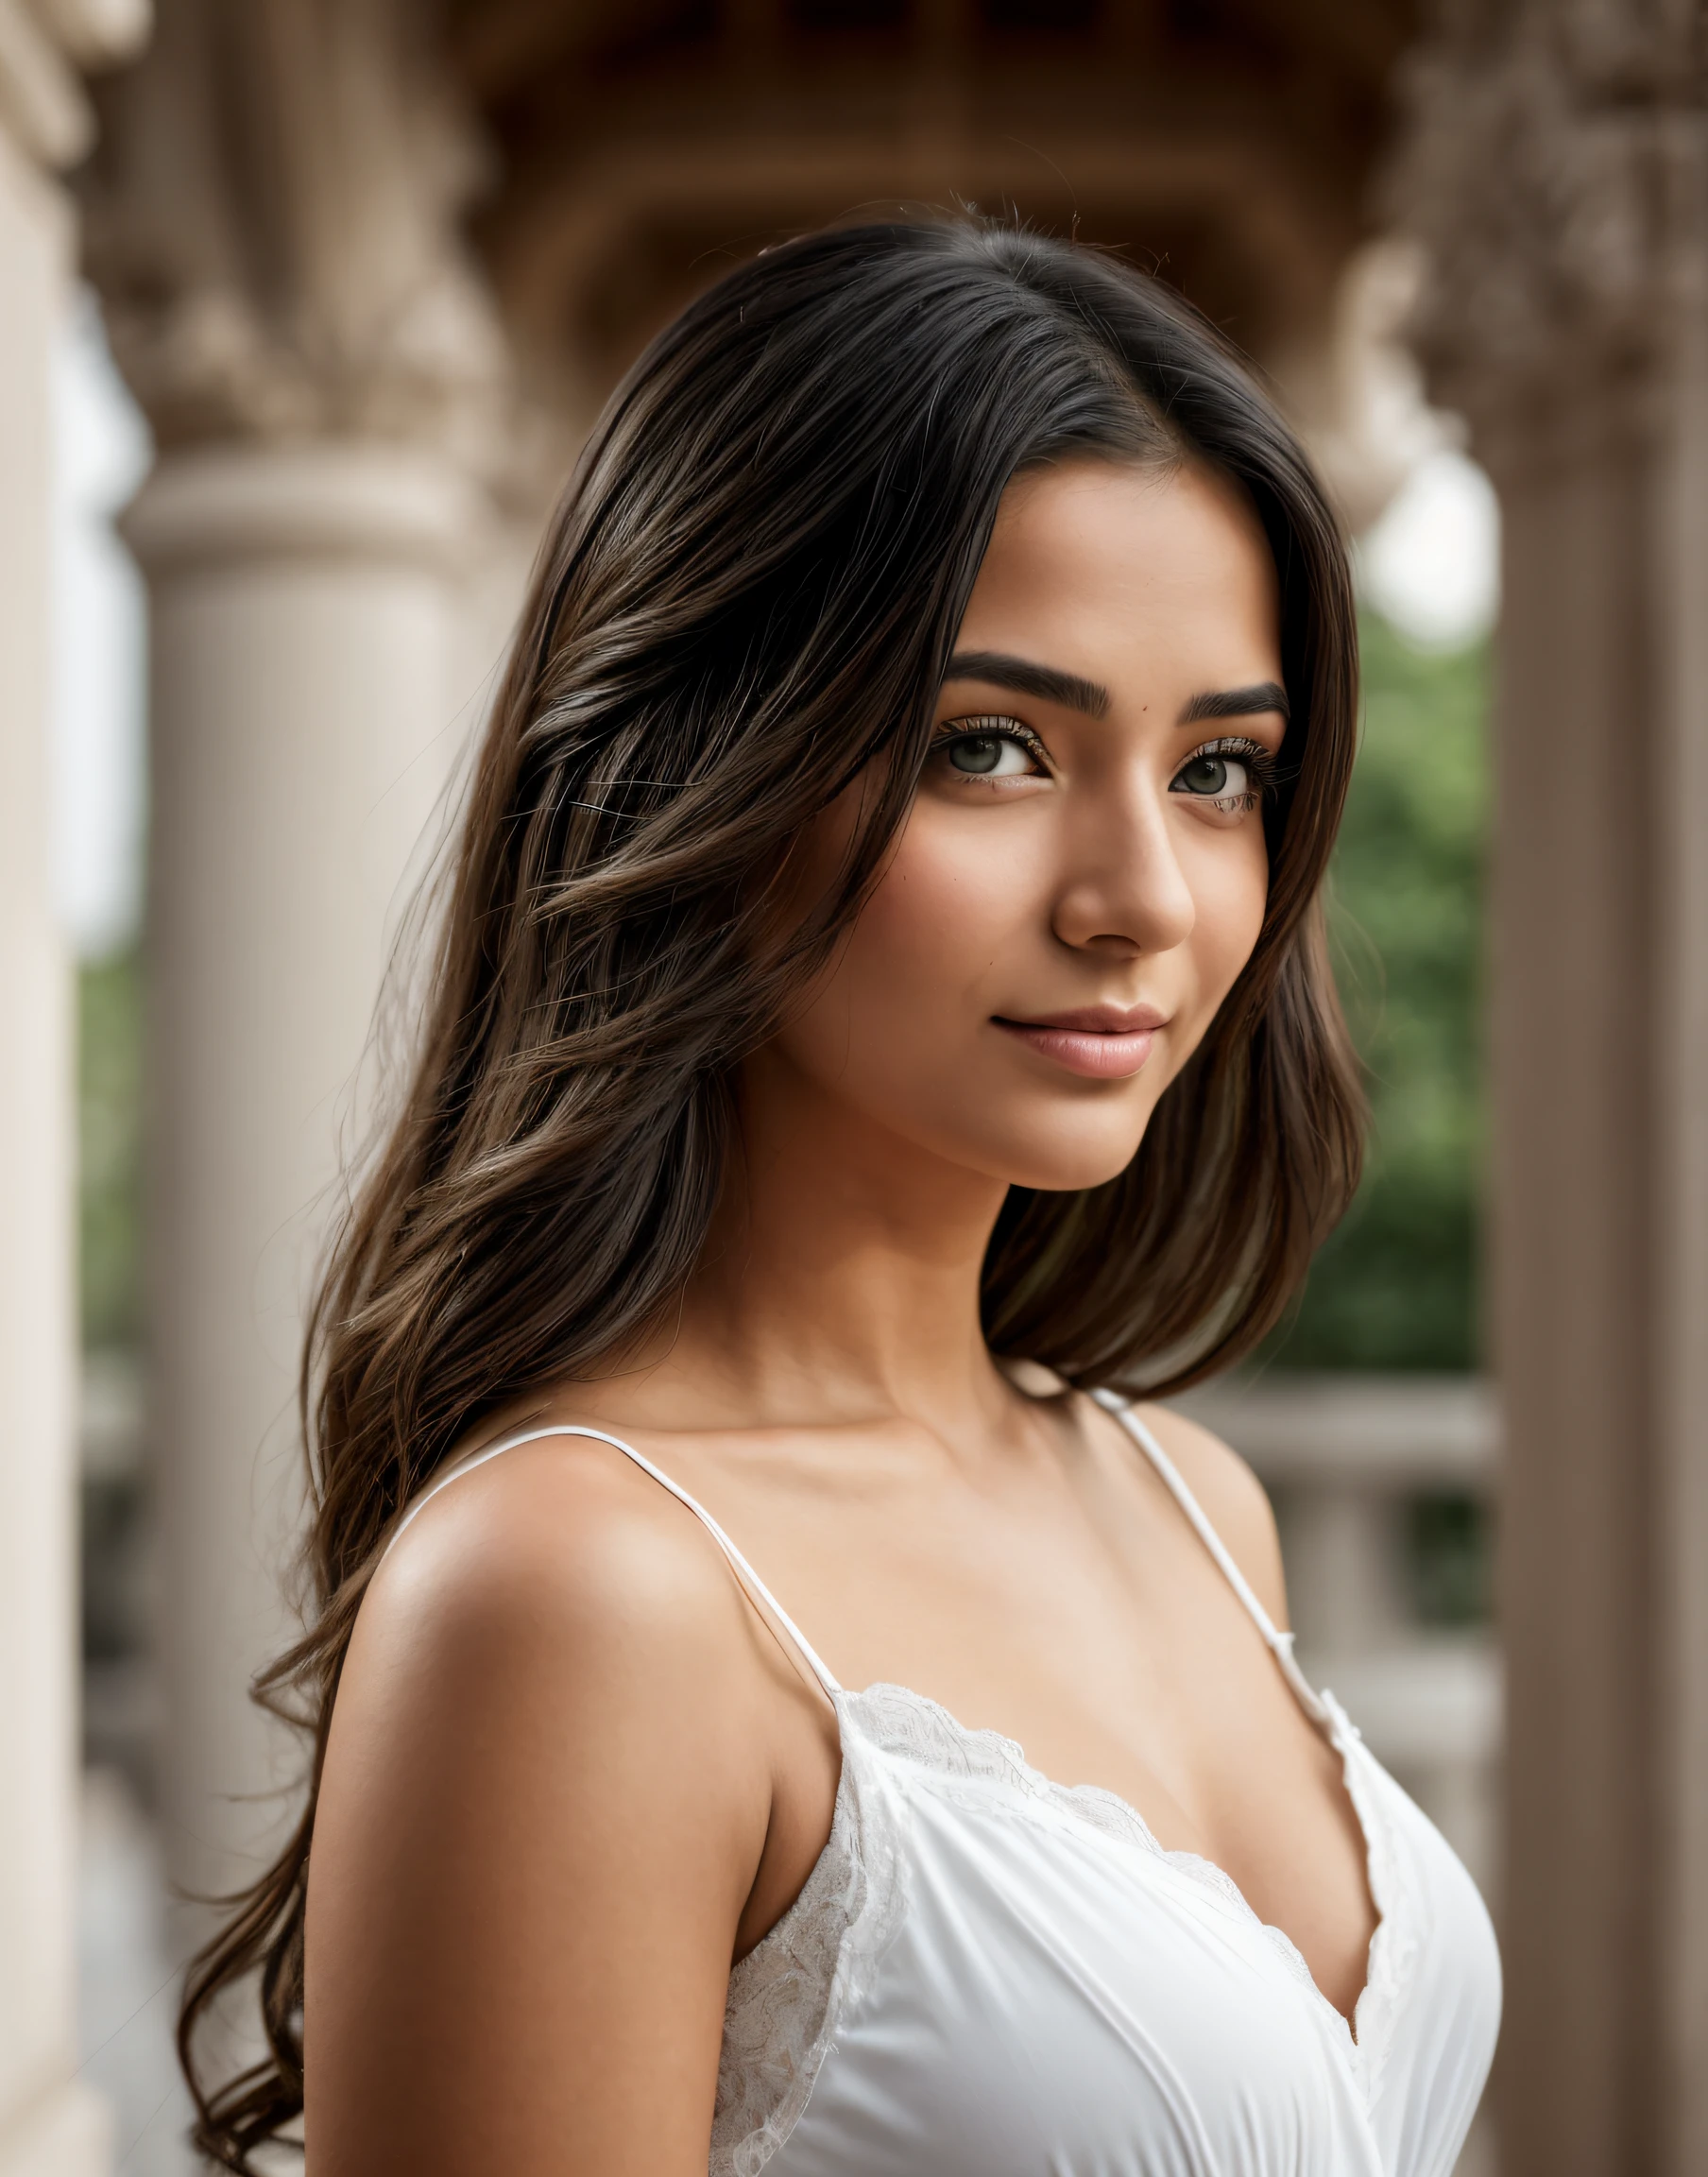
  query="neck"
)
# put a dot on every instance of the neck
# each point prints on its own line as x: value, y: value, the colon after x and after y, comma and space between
x: 841, y: 1280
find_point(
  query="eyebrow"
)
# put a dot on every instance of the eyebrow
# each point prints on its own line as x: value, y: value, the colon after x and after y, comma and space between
x: 1238, y: 703
x: 1051, y: 685
x: 999, y: 669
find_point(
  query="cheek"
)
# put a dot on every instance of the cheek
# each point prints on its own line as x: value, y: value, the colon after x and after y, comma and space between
x: 907, y: 996
x: 946, y: 906
x: 1229, y: 880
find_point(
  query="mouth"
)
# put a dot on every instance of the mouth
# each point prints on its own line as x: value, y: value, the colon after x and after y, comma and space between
x: 1101, y: 1042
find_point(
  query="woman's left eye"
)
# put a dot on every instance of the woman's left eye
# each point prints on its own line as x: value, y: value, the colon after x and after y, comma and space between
x: 997, y: 749
x: 1227, y: 774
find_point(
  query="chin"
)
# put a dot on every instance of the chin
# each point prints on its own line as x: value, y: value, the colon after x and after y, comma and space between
x: 1056, y: 1177
x: 1059, y: 1164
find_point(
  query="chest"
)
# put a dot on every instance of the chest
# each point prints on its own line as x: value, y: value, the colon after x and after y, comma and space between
x: 1060, y: 1605
x: 1023, y: 1981
x: 1092, y: 1627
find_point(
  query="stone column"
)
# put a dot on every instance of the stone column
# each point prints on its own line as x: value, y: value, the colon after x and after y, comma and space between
x: 49, y: 2125
x: 304, y: 714
x: 1557, y: 169
x: 274, y: 225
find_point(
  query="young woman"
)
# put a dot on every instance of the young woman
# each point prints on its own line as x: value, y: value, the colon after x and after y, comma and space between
x: 881, y: 1008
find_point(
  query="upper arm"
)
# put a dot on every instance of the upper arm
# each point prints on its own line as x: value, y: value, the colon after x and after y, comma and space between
x: 544, y: 1802
x: 1234, y: 1502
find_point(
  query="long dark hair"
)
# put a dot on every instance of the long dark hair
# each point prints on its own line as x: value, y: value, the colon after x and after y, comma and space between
x: 748, y: 597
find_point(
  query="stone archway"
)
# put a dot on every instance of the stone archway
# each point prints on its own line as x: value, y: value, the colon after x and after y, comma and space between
x: 640, y: 148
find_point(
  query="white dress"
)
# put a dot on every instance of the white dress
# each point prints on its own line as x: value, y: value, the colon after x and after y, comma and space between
x: 991, y: 1975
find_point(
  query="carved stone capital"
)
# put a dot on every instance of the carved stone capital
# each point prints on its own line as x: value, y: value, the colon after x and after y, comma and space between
x: 274, y: 221
x: 1537, y: 166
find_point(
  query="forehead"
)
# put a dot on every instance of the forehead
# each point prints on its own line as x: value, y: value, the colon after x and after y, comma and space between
x: 1125, y: 561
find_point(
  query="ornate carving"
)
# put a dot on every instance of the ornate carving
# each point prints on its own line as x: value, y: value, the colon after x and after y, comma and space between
x: 1534, y: 168
x: 274, y: 223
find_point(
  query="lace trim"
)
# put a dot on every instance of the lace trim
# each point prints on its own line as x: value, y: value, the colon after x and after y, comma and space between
x: 786, y: 1996
x: 1399, y: 1934
x: 908, y: 1724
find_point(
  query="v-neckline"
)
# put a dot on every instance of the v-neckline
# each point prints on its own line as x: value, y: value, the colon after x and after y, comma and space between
x: 1004, y: 1763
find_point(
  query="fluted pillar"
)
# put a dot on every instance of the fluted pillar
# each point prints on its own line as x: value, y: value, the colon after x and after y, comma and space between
x: 50, y: 2126
x: 274, y: 223
x: 1557, y: 170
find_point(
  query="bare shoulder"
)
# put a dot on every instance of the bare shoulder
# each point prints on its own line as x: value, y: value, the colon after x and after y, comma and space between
x: 562, y: 1540
x: 545, y: 1794
x: 561, y: 1608
x: 559, y: 1611
x: 1234, y: 1500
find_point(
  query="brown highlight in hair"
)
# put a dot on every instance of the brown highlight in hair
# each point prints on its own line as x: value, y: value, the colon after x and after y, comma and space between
x: 748, y: 598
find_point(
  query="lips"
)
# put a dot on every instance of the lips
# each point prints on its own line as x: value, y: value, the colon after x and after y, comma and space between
x: 1101, y: 1042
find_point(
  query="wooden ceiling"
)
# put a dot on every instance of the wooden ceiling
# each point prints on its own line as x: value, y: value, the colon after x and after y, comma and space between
x: 639, y: 147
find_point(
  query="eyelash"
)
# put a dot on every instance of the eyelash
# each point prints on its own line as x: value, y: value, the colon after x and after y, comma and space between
x: 1259, y: 760
x: 991, y: 725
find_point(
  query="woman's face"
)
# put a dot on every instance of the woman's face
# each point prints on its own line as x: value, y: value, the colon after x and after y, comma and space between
x: 1083, y: 874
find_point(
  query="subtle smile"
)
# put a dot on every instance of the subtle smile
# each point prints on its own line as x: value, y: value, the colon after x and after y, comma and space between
x: 1104, y: 1042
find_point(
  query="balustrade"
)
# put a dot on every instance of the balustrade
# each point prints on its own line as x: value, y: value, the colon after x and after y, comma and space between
x: 1385, y: 1491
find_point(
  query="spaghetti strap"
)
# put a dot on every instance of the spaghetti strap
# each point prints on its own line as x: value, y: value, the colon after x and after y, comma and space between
x: 757, y: 1593
x: 1279, y: 1644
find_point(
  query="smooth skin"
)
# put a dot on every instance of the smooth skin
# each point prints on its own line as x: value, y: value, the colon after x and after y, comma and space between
x: 572, y: 1773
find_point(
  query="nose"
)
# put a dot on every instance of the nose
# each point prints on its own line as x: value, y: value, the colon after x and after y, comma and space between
x: 1123, y: 891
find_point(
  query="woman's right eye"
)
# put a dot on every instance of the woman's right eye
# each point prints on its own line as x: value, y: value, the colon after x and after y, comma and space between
x: 990, y: 752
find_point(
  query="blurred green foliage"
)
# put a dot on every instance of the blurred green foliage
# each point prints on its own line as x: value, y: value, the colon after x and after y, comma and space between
x: 1450, y: 1558
x: 109, y: 1185
x: 1397, y: 1286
